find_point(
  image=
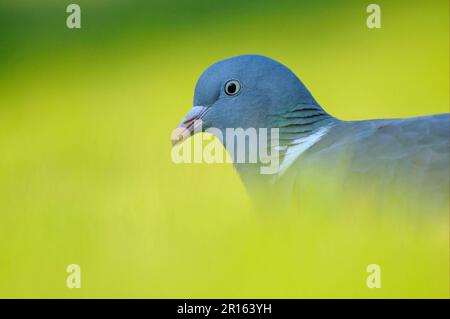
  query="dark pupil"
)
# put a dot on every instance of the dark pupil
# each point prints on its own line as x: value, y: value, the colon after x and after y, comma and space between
x: 231, y: 88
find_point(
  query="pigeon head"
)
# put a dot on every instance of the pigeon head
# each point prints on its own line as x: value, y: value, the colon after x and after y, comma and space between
x: 243, y: 92
x: 252, y: 92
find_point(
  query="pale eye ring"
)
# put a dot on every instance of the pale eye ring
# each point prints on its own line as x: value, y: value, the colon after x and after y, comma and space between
x: 232, y: 87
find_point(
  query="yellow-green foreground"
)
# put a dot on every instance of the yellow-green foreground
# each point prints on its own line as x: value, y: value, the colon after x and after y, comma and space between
x: 86, y: 175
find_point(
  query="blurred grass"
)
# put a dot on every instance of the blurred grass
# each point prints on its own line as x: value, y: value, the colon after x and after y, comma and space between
x: 85, y: 169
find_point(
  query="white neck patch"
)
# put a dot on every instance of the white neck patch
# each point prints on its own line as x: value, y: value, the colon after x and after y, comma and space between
x: 299, y: 147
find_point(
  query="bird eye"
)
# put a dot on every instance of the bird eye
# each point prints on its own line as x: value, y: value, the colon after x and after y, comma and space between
x: 232, y: 87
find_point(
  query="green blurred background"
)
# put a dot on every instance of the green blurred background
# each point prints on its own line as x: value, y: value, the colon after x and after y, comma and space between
x: 85, y: 169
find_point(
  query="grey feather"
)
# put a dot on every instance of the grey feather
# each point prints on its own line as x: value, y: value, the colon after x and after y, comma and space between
x: 413, y: 151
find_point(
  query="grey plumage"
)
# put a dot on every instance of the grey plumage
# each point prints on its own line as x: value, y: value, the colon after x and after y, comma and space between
x: 413, y: 151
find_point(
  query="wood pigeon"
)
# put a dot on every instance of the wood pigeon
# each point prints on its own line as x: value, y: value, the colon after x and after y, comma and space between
x: 253, y: 91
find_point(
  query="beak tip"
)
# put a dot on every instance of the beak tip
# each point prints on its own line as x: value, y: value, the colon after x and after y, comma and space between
x: 179, y: 135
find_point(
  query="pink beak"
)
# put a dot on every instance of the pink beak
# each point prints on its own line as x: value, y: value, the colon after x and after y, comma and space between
x: 188, y: 125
